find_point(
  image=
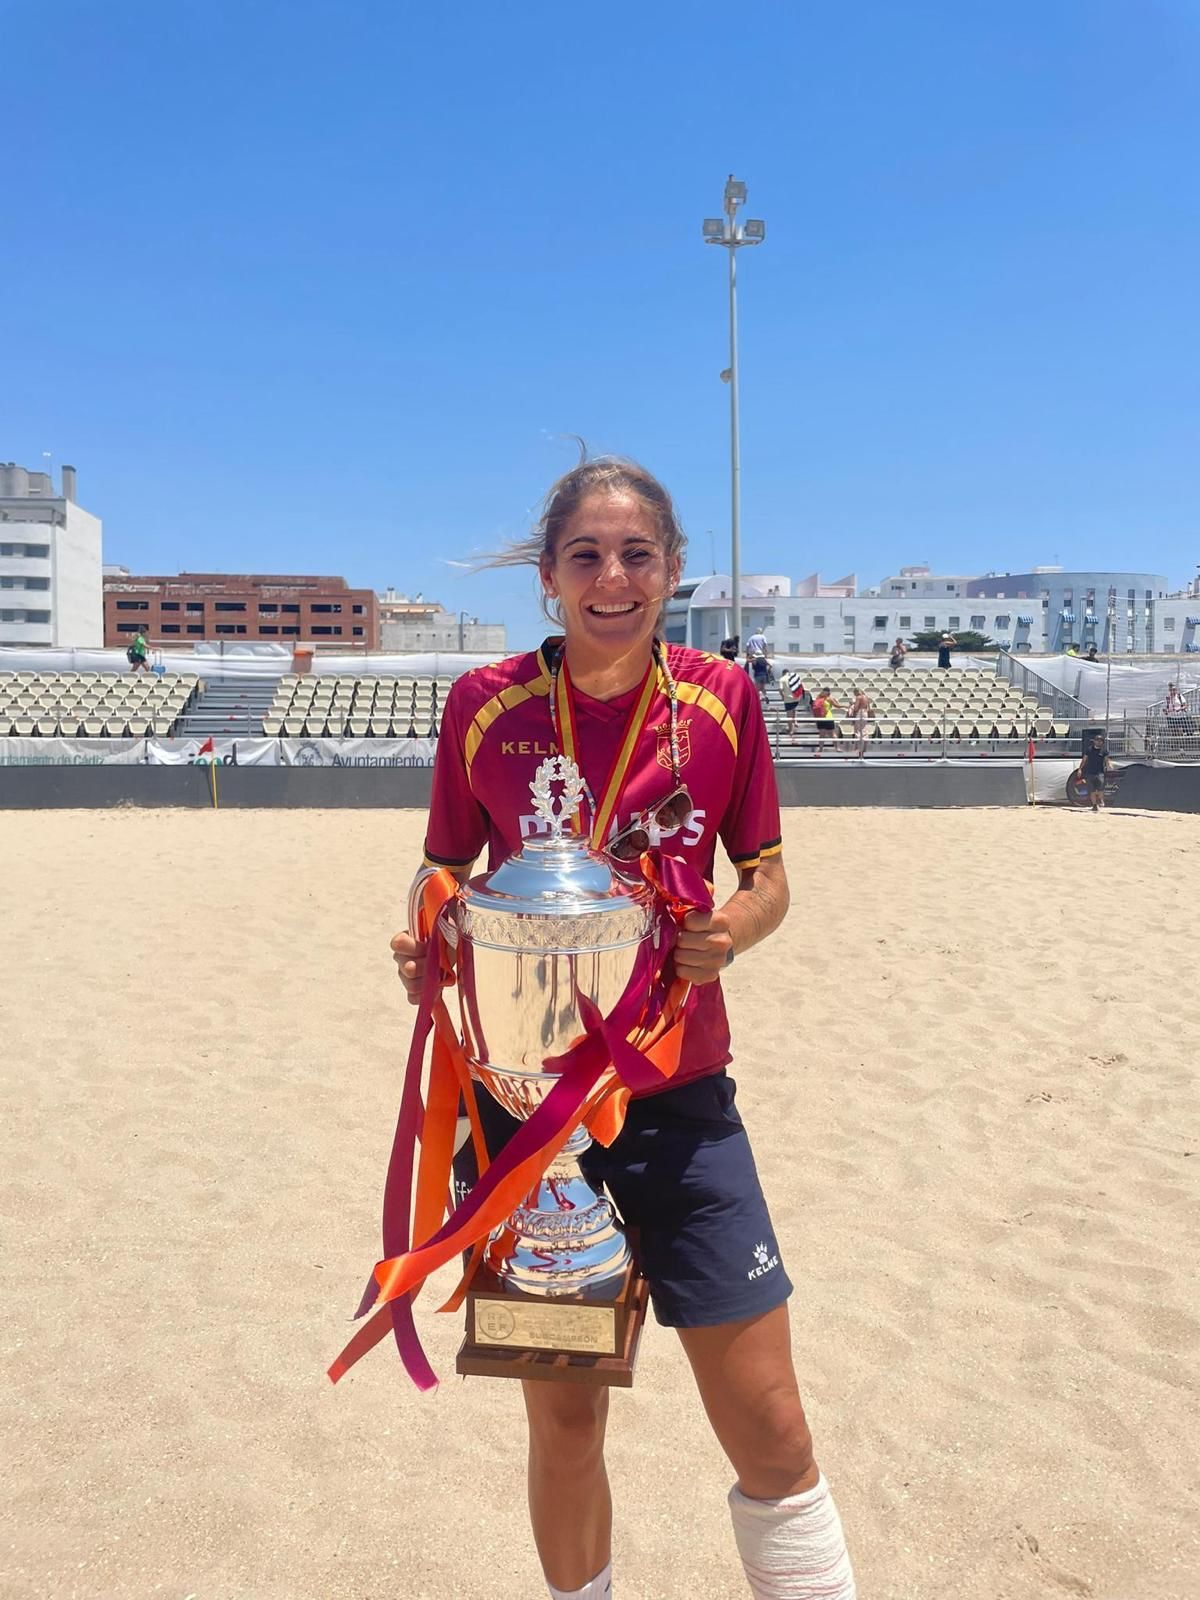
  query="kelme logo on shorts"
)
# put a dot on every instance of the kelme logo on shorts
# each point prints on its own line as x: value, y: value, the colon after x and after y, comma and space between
x: 766, y: 1261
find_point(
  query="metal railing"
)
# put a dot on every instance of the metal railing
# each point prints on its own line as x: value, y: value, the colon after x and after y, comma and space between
x: 1023, y: 677
x: 943, y: 735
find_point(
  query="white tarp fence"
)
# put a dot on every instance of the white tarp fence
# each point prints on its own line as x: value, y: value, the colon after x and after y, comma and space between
x: 1136, y: 687
x: 348, y: 753
x: 253, y: 661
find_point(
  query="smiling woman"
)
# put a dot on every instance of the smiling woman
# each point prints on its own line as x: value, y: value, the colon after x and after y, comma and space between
x: 671, y: 753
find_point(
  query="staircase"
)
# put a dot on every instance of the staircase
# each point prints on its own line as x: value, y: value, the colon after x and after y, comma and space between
x: 229, y: 710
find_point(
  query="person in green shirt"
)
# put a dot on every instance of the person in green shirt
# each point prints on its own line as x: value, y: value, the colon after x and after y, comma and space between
x: 138, y: 653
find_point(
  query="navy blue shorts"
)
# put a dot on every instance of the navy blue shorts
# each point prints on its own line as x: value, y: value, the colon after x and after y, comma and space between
x: 682, y: 1176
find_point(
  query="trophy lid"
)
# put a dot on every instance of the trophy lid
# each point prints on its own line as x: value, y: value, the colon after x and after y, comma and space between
x: 555, y: 876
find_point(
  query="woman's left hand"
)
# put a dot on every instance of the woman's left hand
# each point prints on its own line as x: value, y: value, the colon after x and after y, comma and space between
x: 703, y: 946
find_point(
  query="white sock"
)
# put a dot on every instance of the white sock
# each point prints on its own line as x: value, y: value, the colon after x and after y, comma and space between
x: 600, y: 1588
x: 793, y: 1549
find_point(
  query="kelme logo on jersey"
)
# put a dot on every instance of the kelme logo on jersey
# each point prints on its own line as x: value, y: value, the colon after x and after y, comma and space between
x: 662, y: 736
x: 766, y: 1261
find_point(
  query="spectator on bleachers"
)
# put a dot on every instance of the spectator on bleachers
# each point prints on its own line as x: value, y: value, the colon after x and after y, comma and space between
x: 138, y: 653
x: 1091, y: 653
x: 945, y: 644
x: 729, y: 648
x: 757, y: 664
x: 823, y: 707
x: 791, y: 687
x: 862, y: 711
x: 899, y: 651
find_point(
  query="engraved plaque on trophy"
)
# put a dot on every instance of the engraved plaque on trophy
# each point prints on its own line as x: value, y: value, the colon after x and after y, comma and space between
x: 556, y: 1294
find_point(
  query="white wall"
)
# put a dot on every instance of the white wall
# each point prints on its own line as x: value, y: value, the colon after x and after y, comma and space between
x: 78, y: 611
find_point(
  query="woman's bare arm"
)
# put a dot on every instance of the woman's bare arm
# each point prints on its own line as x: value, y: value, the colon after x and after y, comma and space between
x: 709, y: 940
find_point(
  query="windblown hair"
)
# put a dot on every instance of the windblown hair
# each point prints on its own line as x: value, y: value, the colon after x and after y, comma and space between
x: 600, y: 475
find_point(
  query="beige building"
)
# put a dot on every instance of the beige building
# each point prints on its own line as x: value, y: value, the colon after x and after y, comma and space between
x: 415, y: 624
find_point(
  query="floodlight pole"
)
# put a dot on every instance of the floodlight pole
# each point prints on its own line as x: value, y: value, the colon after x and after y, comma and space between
x: 732, y: 236
x: 735, y: 456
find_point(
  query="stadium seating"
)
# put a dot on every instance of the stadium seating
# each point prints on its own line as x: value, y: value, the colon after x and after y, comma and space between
x: 356, y: 708
x: 92, y: 705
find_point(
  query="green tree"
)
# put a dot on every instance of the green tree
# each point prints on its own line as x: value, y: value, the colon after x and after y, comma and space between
x: 970, y: 641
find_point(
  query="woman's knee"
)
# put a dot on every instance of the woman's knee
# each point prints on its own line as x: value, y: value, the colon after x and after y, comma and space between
x: 775, y: 1448
x: 566, y: 1421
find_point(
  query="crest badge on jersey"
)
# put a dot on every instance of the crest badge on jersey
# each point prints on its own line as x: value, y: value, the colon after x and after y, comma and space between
x: 663, y: 737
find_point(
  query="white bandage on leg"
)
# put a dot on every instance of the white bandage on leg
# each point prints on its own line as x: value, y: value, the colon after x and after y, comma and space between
x: 793, y: 1549
x: 600, y: 1588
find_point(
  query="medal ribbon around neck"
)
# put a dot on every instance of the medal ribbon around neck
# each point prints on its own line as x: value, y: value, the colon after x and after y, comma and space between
x: 566, y: 727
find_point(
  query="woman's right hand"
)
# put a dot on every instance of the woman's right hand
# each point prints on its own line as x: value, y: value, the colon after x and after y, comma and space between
x: 409, y: 955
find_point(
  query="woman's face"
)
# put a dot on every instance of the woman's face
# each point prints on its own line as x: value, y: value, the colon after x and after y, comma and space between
x: 609, y: 574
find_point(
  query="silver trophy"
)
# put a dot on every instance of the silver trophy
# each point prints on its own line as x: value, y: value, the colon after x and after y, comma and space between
x: 556, y: 1295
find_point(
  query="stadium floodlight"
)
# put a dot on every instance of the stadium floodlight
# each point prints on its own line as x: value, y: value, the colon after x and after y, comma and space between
x: 733, y: 237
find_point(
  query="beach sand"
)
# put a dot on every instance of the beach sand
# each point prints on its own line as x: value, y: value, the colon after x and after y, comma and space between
x: 968, y: 1065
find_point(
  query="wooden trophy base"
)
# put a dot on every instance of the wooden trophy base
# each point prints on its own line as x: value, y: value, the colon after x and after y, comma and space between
x: 586, y: 1339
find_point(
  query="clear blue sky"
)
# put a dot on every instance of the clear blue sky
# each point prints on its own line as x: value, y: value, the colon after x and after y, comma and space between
x: 320, y: 287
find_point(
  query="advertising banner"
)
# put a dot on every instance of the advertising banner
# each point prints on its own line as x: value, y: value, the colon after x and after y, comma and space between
x: 222, y: 752
x: 16, y: 752
x: 358, y: 752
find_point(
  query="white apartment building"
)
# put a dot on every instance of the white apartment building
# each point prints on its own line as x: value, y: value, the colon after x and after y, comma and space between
x: 700, y: 615
x: 51, y: 592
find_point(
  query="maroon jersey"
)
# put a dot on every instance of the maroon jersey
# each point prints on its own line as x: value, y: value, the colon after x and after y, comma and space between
x: 496, y: 731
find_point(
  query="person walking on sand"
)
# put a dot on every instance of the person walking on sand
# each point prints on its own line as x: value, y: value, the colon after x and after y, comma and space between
x: 608, y: 551
x: 861, y: 711
x: 1092, y: 769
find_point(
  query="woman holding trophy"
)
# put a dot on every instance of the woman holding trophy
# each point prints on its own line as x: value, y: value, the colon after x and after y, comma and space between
x: 671, y: 748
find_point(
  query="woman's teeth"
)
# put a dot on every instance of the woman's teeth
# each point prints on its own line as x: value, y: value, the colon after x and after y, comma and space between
x: 613, y: 611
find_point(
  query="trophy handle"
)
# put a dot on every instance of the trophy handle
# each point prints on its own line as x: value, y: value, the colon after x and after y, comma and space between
x: 449, y: 927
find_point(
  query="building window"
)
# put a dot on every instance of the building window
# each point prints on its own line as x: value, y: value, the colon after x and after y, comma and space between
x: 881, y: 622
x: 955, y: 622
x: 793, y: 622
x: 818, y: 649
x: 129, y: 627
x: 906, y: 622
x: 267, y: 609
x: 931, y: 622
x: 979, y: 623
x: 1003, y: 621
x: 949, y: 588
x: 230, y: 605
x: 880, y: 647
x: 225, y: 627
x: 169, y: 627
x: 268, y: 628
x: 336, y: 609
x: 169, y: 605
x: 241, y: 627
x: 358, y: 633
x: 322, y: 628
x: 793, y: 648
x: 37, y: 583
x: 40, y: 552
x: 195, y: 627
x: 289, y: 630
x: 1169, y: 624
x: 195, y: 605
x: 37, y: 616
x: 294, y: 610
x: 358, y: 611
x: 818, y: 622
x: 133, y: 605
